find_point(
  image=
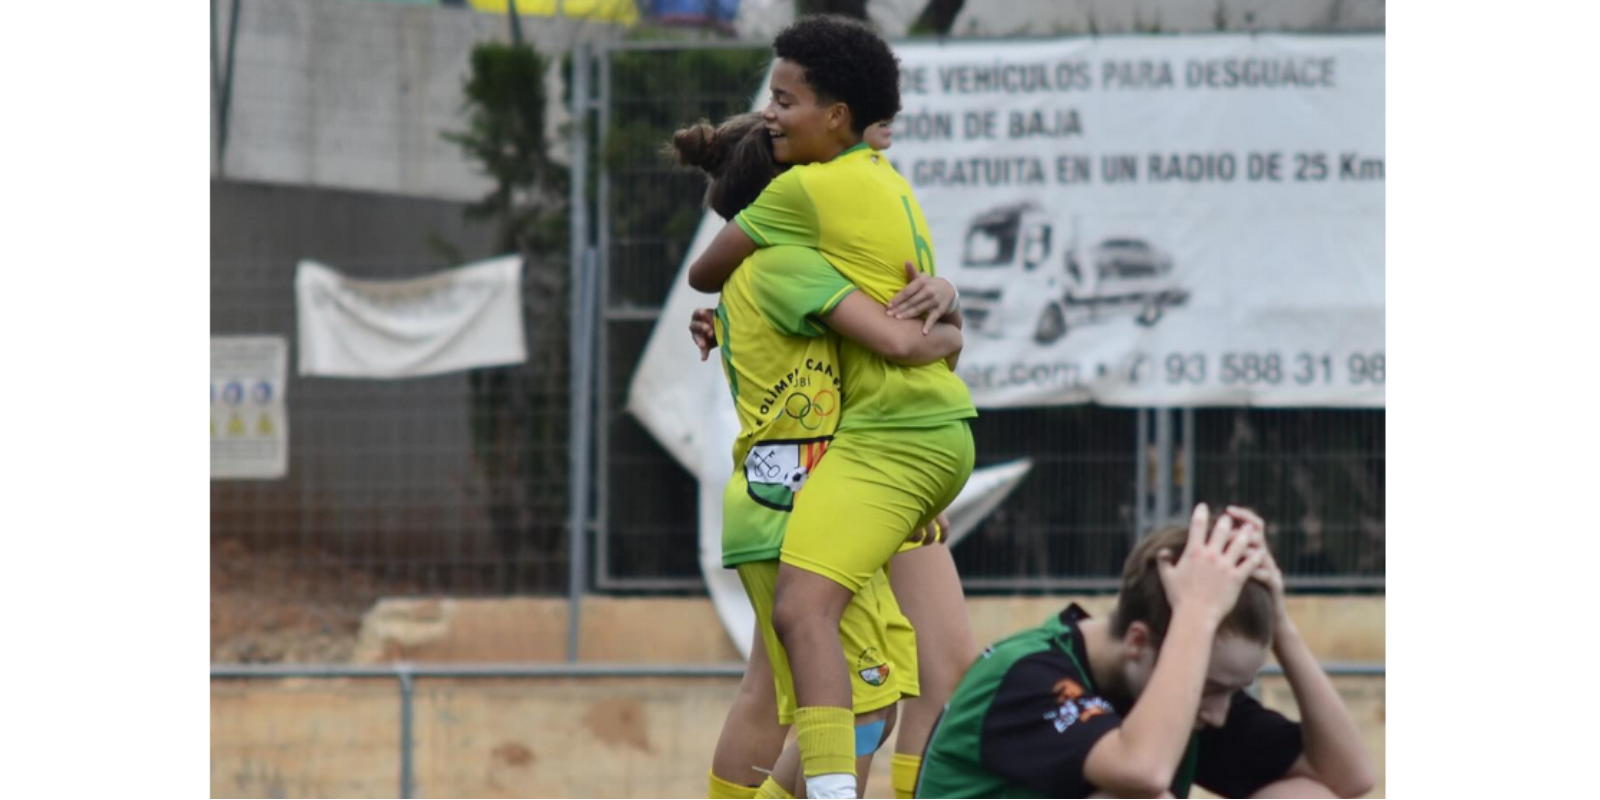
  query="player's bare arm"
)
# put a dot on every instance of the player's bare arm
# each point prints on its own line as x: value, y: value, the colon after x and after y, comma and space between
x: 901, y: 341
x: 731, y: 247
x: 935, y: 299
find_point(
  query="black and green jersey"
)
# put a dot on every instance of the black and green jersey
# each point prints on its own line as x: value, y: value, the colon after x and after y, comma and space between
x: 1024, y: 718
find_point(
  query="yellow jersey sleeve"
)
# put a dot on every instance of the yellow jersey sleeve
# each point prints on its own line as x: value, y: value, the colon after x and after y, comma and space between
x: 783, y: 214
x: 794, y: 287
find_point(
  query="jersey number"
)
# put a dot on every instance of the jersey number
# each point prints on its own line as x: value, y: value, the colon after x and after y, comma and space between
x: 924, y: 252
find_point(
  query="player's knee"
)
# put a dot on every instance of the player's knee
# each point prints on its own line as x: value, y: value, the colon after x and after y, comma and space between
x: 794, y: 623
x: 802, y: 612
x: 755, y: 701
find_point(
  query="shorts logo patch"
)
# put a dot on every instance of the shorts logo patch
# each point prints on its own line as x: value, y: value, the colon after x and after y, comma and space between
x: 872, y: 667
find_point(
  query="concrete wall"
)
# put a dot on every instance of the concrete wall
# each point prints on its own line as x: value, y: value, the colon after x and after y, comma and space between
x: 380, y: 467
x: 762, y: 19
x: 355, y: 95
x: 687, y: 630
x: 259, y: 231
x: 596, y: 737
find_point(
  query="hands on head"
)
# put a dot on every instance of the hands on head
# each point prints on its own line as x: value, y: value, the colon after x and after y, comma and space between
x: 1217, y: 560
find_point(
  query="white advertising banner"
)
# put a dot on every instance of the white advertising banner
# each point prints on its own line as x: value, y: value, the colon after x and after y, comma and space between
x: 1134, y: 221
x: 452, y: 320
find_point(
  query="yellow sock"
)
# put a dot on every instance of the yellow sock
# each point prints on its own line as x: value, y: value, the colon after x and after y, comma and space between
x: 771, y: 790
x: 903, y: 770
x: 827, y: 737
x: 727, y: 790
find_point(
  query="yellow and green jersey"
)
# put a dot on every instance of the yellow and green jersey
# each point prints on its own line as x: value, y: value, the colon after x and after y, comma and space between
x: 860, y: 214
x: 782, y: 367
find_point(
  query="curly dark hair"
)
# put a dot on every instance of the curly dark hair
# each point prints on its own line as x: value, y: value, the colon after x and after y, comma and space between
x: 845, y: 61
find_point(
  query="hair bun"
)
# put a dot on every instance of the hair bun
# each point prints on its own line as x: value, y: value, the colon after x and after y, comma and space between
x: 697, y: 146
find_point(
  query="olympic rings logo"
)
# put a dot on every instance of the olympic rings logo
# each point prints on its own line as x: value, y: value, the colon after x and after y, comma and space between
x: 804, y: 408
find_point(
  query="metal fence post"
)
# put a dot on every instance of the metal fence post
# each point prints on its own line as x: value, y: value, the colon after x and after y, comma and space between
x: 1141, y: 481
x: 1186, y: 465
x: 580, y: 325
x: 403, y: 672
x: 1163, y: 466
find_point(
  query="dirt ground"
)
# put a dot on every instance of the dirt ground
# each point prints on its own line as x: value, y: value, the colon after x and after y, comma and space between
x: 267, y: 607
